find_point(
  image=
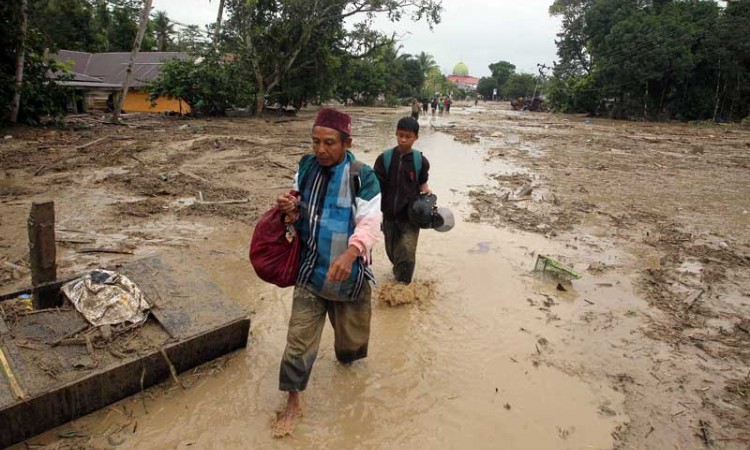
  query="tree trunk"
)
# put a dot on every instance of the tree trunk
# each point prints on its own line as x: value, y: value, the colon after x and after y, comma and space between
x: 260, y: 101
x: 260, y: 85
x: 133, y: 55
x: 716, y: 97
x: 20, y: 61
x: 217, y: 30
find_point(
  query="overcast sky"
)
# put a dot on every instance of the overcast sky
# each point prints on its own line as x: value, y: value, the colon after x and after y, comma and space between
x: 477, y: 32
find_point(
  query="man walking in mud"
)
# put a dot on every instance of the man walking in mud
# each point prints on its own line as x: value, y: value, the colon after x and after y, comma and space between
x: 337, y: 216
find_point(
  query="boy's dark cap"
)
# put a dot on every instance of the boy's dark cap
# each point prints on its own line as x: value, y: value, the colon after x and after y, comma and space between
x: 408, y: 124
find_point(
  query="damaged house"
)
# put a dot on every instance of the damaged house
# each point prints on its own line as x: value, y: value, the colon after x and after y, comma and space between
x: 97, y: 79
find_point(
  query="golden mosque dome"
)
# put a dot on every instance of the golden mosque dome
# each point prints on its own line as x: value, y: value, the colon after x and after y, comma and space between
x: 461, y: 70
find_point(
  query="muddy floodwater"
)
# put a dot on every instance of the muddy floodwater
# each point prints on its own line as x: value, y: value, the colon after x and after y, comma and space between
x: 492, y: 356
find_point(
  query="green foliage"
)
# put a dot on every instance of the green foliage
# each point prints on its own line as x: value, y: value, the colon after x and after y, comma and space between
x: 286, y: 51
x: 191, y: 40
x: 65, y: 22
x: 486, y: 86
x: 501, y: 72
x: 460, y: 94
x: 662, y: 60
x: 437, y: 84
x: 286, y: 42
x: 574, y: 94
x: 508, y: 83
x: 383, y: 74
x: 361, y: 82
x: 519, y: 85
x: 39, y: 96
x: 426, y: 62
x: 209, y: 86
x: 163, y: 31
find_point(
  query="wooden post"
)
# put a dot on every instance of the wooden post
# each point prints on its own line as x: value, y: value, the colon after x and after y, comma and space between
x: 42, y: 253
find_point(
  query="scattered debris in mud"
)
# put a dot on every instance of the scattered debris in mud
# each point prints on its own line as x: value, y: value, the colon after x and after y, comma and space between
x: 142, y: 208
x: 678, y: 353
x: 651, y: 189
x: 523, y: 213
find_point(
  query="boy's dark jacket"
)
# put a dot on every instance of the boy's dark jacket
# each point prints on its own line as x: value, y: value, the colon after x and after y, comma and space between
x: 400, y: 186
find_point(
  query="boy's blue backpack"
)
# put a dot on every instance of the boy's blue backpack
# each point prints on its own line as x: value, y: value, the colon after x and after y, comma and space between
x: 388, y: 156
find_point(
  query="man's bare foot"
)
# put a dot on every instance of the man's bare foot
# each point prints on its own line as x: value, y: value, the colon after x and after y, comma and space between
x: 284, y: 425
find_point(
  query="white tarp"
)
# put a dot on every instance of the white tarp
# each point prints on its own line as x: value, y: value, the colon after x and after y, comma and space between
x: 107, y: 298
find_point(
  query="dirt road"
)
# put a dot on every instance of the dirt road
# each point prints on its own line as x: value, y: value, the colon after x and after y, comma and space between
x: 650, y: 349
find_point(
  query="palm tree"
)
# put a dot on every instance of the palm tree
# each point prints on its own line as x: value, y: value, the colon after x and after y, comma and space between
x: 426, y: 62
x: 164, y: 30
x: 190, y: 39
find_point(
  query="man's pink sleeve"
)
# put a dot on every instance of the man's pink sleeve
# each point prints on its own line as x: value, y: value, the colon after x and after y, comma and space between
x: 367, y: 229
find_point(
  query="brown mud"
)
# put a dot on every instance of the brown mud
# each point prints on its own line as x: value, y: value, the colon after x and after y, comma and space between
x: 649, y: 350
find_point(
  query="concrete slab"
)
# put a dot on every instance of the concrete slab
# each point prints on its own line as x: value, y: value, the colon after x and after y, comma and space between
x: 66, y: 376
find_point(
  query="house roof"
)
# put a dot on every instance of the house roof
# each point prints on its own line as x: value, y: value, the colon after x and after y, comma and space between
x: 463, y: 79
x: 111, y: 68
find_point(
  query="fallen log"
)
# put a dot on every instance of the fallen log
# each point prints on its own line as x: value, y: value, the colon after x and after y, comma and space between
x: 106, y: 250
x: 223, y: 202
x: 89, y: 144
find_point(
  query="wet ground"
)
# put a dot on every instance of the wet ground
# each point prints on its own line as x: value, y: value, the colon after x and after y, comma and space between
x: 626, y: 357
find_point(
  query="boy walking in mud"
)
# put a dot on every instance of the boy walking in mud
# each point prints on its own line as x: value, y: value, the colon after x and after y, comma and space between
x: 403, y: 173
x: 337, y: 218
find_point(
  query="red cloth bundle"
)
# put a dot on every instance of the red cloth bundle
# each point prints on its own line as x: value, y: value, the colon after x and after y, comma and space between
x: 274, y: 249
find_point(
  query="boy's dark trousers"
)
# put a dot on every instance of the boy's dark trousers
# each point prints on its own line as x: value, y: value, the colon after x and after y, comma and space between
x: 401, y: 246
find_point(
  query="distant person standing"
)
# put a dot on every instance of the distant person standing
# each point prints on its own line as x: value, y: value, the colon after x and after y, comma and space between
x: 434, y: 105
x: 425, y: 106
x: 447, y: 104
x: 415, y: 109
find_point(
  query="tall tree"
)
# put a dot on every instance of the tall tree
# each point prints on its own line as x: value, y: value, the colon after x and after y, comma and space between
x: 66, y: 24
x: 279, y: 37
x: 20, y: 60
x: 39, y: 95
x: 502, y: 71
x: 190, y: 39
x: 217, y: 26
x: 652, y: 59
x: 164, y: 30
x: 426, y: 62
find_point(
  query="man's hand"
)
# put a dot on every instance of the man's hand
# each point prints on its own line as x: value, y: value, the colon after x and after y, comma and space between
x: 287, y: 203
x: 342, y: 267
x: 425, y: 189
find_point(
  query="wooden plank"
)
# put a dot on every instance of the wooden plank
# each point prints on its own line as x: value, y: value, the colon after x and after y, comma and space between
x: 15, y: 387
x: 42, y: 252
x: 204, y: 325
x: 54, y: 285
x: 182, y: 298
x: 55, y: 407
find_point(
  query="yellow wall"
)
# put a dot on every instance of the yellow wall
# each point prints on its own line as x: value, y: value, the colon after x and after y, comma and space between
x: 139, y: 102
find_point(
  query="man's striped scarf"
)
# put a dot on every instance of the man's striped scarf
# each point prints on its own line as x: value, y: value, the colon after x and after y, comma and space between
x: 326, y: 223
